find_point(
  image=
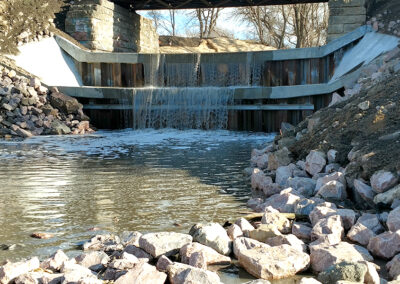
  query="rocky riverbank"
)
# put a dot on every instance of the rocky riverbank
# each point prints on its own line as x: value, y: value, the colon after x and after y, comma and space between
x: 338, y: 171
x: 28, y: 108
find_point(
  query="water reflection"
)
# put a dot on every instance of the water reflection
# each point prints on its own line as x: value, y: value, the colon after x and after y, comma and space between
x: 120, y: 180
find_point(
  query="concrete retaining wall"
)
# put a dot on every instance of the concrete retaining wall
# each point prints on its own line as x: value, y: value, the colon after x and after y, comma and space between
x: 345, y: 16
x: 102, y: 25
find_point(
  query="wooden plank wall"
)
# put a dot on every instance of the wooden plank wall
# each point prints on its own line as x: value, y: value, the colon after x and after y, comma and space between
x: 273, y: 73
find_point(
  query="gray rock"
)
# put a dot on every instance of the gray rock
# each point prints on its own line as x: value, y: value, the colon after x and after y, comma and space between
x: 244, y: 225
x: 393, y: 267
x: 138, y: 252
x: 385, y: 245
x: 142, y: 273
x: 331, y: 168
x: 179, y: 273
x: 11, y: 270
x: 393, y: 220
x: 305, y: 206
x: 284, y: 173
x: 388, y: 197
x: 241, y: 244
x: 274, y: 262
x: 290, y: 240
x: 315, y: 162
x: 163, y: 263
x: 210, y: 255
x: 278, y: 159
x: 333, y: 190
x: 65, y: 103
x: 287, y: 128
x: 332, y: 156
x: 234, y: 232
x: 95, y: 260
x: 164, y: 243
x: 335, y: 176
x: 349, y: 271
x: 381, y: 181
x: 324, y: 256
x: 212, y: 235
x: 304, y: 185
x: 331, y: 225
x: 130, y: 238
x: 55, y: 261
x: 364, y: 190
x: 274, y: 217
x: 284, y: 202
x: 302, y: 231
x: 59, y: 128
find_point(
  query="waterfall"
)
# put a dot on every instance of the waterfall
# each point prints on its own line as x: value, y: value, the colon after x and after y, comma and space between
x: 181, y: 108
x: 186, y: 91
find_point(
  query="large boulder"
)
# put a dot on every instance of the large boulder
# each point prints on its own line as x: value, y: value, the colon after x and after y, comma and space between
x: 274, y: 262
x: 242, y: 243
x: 212, y: 235
x: 381, y: 181
x: 349, y: 271
x: 302, y: 231
x: 393, y: 220
x: 321, y: 212
x: 262, y: 182
x: 385, y: 245
x: 138, y: 252
x: 284, y: 173
x: 284, y: 202
x: 12, y: 270
x: 65, y: 103
x: 274, y: 217
x: 179, y: 273
x: 55, y: 261
x: 364, y: 190
x: 333, y: 190
x: 264, y: 232
x: 95, y: 260
x: 303, y: 185
x: 59, y: 128
x: 189, y: 251
x: 315, y: 162
x: 324, y: 256
x: 244, y: 225
x: 142, y: 273
x: 164, y: 243
x: 393, y: 267
x: 331, y: 225
x: 388, y: 197
x: 367, y: 227
x: 290, y: 240
x: 278, y: 159
x: 335, y: 176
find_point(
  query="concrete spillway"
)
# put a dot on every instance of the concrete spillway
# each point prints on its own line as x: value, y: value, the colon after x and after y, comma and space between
x: 225, y: 90
x: 370, y: 47
x: 46, y: 60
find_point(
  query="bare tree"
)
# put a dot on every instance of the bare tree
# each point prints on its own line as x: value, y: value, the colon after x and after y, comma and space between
x: 207, y: 20
x: 165, y: 22
x: 290, y: 25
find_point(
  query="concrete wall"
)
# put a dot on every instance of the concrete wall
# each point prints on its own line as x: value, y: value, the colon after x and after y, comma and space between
x: 345, y: 16
x: 102, y: 25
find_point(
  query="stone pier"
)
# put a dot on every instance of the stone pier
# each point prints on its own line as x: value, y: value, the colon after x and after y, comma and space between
x: 105, y: 26
x: 345, y: 16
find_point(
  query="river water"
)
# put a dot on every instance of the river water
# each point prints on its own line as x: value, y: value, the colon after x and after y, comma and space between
x: 144, y: 180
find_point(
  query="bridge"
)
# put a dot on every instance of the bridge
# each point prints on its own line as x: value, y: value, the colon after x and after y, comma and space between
x: 192, y: 4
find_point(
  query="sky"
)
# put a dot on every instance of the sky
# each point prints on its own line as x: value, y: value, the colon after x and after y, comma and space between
x: 225, y: 21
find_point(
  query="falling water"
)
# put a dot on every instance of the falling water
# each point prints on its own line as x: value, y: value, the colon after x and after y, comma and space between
x: 190, y: 91
x: 181, y: 108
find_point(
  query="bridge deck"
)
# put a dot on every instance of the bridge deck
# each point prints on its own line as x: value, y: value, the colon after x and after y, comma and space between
x: 192, y: 4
